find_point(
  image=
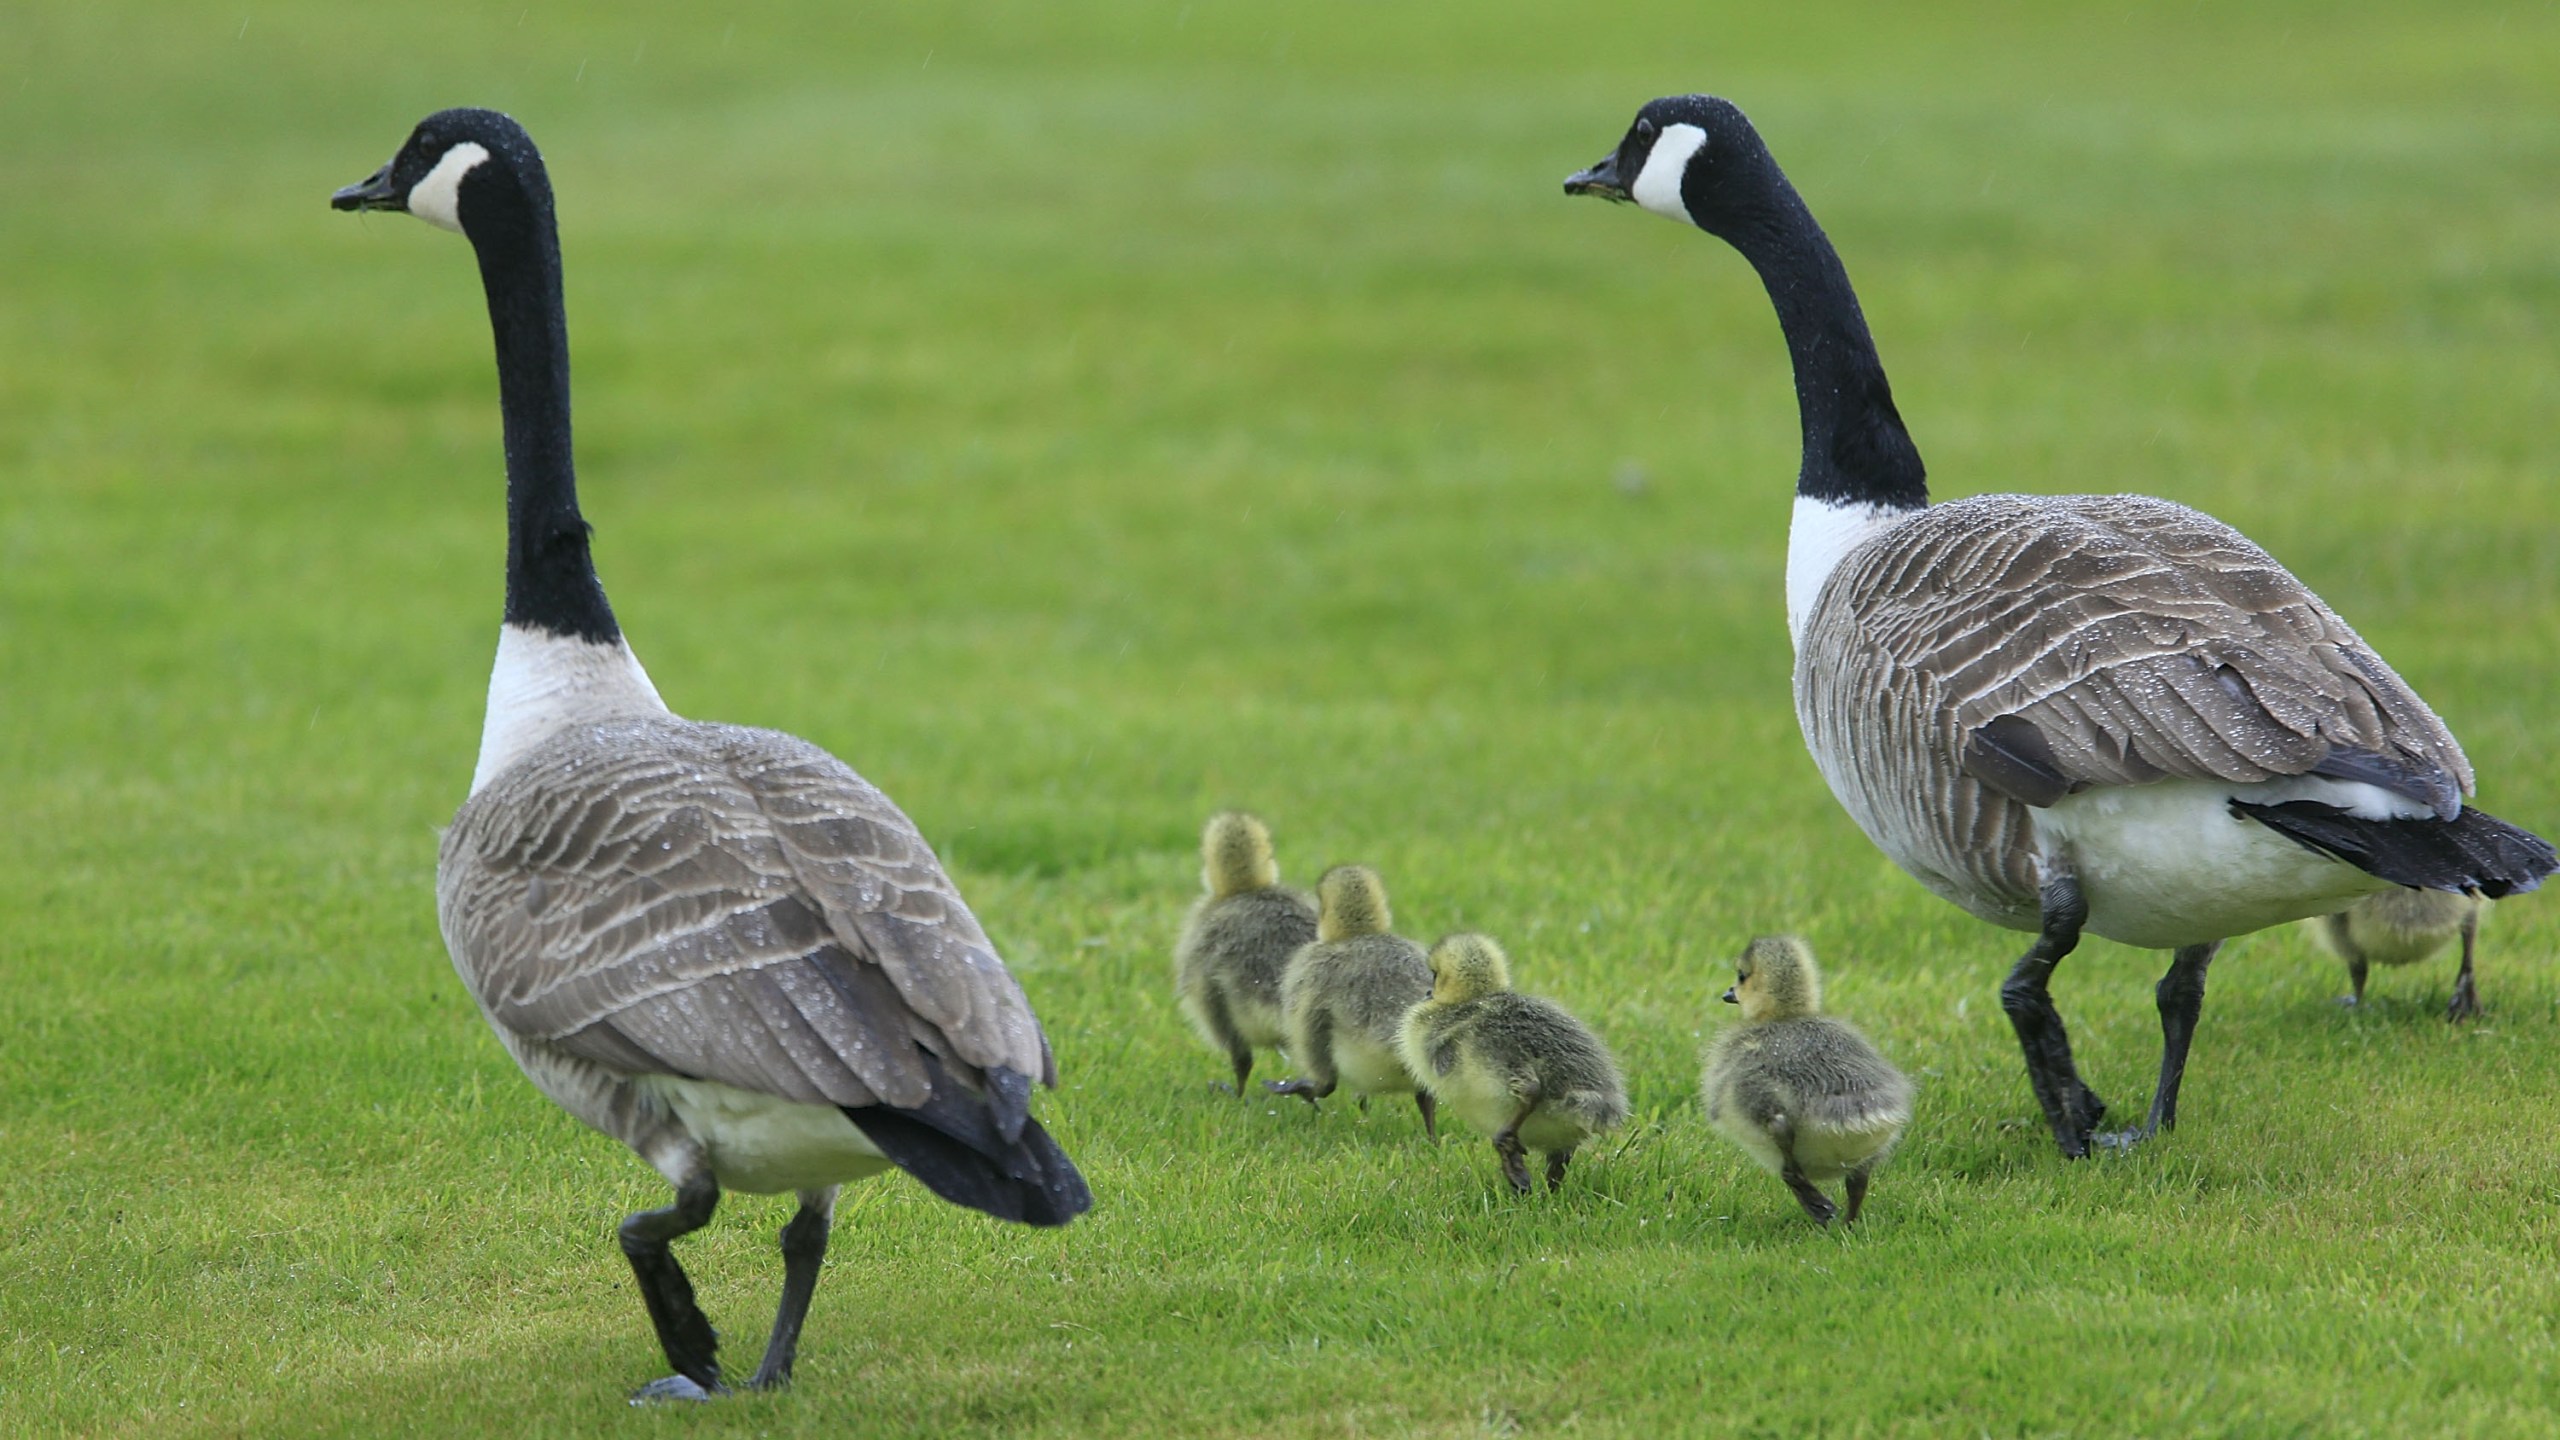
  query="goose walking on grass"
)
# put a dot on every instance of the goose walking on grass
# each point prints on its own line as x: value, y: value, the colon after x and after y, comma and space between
x: 717, y: 945
x: 1236, y: 942
x: 1803, y: 1094
x: 1344, y: 998
x: 2066, y: 713
x: 1520, y: 1071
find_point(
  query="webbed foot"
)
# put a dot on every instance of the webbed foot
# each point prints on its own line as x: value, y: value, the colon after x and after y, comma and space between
x: 674, y: 1389
x: 2465, y: 1004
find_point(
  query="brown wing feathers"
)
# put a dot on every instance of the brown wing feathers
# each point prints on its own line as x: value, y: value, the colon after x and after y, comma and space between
x: 2115, y: 640
x: 731, y: 905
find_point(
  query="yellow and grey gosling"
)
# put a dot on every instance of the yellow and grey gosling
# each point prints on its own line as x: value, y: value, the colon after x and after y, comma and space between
x: 1237, y: 940
x: 1344, y: 998
x: 2402, y: 927
x: 1804, y: 1095
x: 1515, y: 1067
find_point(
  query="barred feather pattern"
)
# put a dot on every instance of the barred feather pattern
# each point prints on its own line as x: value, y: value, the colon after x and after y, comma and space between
x: 657, y: 896
x: 2142, y: 640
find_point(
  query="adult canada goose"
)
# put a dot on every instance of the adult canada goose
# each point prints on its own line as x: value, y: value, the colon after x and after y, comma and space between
x: 718, y: 945
x: 1236, y: 942
x: 1800, y: 1092
x: 1344, y: 998
x: 1519, y: 1070
x: 2070, y: 712
x: 2403, y: 927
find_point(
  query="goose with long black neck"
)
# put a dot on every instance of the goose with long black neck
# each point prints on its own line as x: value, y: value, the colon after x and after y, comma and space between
x: 2106, y: 714
x: 715, y: 944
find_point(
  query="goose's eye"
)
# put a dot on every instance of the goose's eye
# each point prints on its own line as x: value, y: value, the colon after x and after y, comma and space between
x: 1645, y: 128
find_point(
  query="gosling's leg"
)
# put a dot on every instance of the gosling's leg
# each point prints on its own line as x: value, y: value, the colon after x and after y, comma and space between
x: 2180, y: 995
x: 2070, y: 1107
x: 1556, y: 1161
x: 1856, y: 1185
x: 2357, y: 968
x: 804, y: 1249
x: 1815, y: 1203
x: 1429, y: 1105
x: 2466, y: 1000
x: 1320, y: 1079
x: 1515, y: 1161
x: 1239, y: 1053
x: 684, y: 1333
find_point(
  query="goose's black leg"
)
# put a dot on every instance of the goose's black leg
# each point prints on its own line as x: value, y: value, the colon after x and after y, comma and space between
x: 1856, y: 1185
x: 2181, y: 997
x: 2072, y: 1108
x: 1429, y: 1105
x: 686, y: 1335
x: 804, y: 1249
x: 2465, y: 1004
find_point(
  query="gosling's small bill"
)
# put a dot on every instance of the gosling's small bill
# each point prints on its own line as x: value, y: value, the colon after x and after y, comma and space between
x: 2403, y: 927
x: 1344, y: 998
x: 1237, y: 940
x: 1803, y: 1094
x: 1516, y: 1068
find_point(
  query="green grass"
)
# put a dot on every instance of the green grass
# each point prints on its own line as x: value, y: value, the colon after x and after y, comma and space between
x: 1083, y: 420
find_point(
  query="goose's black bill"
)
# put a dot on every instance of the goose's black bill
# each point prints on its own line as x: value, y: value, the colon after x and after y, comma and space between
x: 375, y: 192
x: 1601, y: 180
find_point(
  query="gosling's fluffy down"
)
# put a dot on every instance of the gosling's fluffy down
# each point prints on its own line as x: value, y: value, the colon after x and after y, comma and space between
x: 2402, y: 927
x: 1344, y: 998
x: 1804, y: 1095
x: 1516, y: 1068
x: 1237, y: 940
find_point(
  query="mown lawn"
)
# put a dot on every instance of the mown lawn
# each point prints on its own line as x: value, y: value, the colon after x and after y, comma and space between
x: 1080, y: 421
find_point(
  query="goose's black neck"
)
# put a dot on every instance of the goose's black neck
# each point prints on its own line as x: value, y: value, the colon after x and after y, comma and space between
x: 1856, y: 450
x: 551, y: 578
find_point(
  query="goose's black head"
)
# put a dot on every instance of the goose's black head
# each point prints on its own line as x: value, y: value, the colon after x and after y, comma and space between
x: 460, y: 170
x: 1686, y: 157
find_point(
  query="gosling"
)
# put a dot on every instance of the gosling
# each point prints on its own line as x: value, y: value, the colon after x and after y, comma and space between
x: 1515, y: 1067
x: 1237, y: 940
x: 2402, y: 927
x: 1805, y: 1096
x: 1343, y: 999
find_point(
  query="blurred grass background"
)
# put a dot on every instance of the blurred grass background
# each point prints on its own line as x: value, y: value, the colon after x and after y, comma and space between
x: 1080, y: 418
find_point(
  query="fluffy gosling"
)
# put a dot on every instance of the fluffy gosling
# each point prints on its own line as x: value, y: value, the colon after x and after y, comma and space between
x: 1515, y: 1067
x: 2402, y: 927
x: 1344, y: 998
x: 1805, y: 1096
x: 1237, y: 940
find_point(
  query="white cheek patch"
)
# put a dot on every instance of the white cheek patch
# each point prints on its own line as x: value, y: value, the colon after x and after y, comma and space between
x: 1657, y: 188
x: 438, y: 198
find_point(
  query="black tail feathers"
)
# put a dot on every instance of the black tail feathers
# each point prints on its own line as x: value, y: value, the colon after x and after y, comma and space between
x: 2475, y: 850
x: 980, y: 1150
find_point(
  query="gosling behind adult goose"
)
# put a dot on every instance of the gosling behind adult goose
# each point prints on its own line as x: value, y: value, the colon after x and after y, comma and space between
x: 1236, y: 942
x: 2403, y: 927
x: 718, y: 945
x: 1344, y: 997
x: 2064, y: 713
x: 1805, y: 1095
